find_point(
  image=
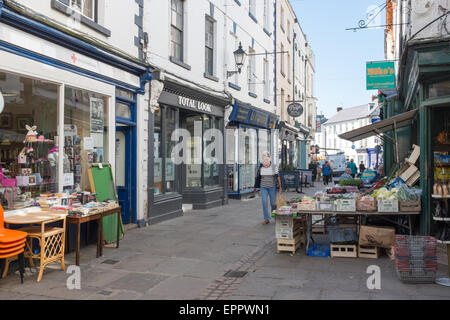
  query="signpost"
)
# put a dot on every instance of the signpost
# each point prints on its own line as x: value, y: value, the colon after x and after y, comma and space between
x: 295, y: 109
x: 380, y: 75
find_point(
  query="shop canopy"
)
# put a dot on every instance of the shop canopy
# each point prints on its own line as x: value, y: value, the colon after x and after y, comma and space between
x: 380, y: 127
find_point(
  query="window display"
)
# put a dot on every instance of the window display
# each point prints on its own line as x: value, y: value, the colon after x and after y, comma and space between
x: 247, y: 158
x: 85, y: 136
x: 28, y: 131
x: 157, y: 166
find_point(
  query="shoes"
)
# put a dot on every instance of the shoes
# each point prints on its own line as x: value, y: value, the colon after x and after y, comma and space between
x: 266, y: 222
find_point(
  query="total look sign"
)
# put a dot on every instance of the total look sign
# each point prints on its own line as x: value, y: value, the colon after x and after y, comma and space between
x: 380, y: 75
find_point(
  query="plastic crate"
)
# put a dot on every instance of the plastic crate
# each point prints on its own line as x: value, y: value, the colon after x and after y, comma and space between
x: 319, y: 251
x: 341, y: 235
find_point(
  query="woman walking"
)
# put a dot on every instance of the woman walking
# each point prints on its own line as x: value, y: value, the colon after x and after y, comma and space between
x: 266, y: 180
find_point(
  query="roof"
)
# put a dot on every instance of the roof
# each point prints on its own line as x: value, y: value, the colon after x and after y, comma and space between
x: 352, y: 113
x: 399, y: 121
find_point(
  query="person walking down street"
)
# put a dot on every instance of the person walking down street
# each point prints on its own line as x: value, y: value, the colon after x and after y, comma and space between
x: 326, y: 172
x: 313, y: 168
x: 352, y: 166
x: 266, y: 180
x: 362, y: 167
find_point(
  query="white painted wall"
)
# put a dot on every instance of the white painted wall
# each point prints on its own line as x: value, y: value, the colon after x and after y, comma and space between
x: 117, y: 16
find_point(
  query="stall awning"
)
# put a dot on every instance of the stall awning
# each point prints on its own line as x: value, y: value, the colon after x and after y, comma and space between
x: 399, y: 121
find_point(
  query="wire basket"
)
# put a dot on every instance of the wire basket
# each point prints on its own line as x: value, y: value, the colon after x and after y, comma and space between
x: 417, y: 276
x: 415, y: 258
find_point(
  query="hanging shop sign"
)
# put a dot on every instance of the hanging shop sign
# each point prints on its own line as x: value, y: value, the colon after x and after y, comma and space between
x: 253, y: 117
x: 295, y: 110
x: 380, y: 75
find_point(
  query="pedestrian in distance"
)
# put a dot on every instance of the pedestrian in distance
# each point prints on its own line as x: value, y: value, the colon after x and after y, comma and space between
x: 352, y: 166
x: 362, y: 167
x: 326, y: 172
x: 268, y: 181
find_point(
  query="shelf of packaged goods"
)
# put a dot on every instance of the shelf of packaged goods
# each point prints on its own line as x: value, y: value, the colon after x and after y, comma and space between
x: 444, y: 242
x: 441, y: 219
x: 442, y: 147
x: 442, y: 165
x: 438, y: 196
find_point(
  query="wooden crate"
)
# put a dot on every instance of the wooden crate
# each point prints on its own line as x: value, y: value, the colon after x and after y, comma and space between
x: 370, y: 252
x: 290, y: 233
x: 344, y: 250
x: 413, y: 180
x: 390, y: 253
x: 415, y: 154
x: 410, y: 206
x: 291, y: 245
x: 409, y: 172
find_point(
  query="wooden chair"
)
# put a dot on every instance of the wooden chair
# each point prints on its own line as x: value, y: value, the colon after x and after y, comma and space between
x: 12, y: 244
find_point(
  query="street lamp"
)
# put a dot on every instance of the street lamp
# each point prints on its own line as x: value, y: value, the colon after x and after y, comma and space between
x: 239, y: 58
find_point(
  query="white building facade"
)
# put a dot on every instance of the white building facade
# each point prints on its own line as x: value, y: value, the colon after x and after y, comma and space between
x: 80, y: 78
x: 345, y: 120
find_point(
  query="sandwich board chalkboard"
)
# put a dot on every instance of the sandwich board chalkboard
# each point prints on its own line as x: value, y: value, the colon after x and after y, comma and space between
x: 102, y: 184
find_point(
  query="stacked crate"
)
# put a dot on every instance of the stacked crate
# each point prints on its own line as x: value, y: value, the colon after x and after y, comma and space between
x: 290, y: 233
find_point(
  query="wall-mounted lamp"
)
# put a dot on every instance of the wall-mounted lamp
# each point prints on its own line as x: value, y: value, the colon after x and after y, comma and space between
x: 239, y: 59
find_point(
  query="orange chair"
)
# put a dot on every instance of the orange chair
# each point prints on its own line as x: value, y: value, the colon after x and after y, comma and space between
x: 12, y: 243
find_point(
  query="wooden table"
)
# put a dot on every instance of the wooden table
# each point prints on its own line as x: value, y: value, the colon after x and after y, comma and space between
x: 382, y: 215
x: 98, y: 216
x: 51, y: 239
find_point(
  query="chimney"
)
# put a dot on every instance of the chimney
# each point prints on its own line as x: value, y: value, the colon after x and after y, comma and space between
x: 339, y: 109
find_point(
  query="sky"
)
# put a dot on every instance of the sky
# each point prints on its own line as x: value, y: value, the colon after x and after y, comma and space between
x: 341, y: 55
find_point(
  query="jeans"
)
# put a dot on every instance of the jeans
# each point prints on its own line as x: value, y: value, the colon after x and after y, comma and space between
x: 326, y: 179
x: 272, y: 193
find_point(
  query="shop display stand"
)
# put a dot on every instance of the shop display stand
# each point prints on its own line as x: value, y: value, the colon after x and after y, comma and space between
x: 443, y: 281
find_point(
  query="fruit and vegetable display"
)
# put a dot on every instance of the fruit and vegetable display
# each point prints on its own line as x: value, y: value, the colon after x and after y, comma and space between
x: 366, y: 203
x: 341, y: 190
x: 350, y: 182
x: 409, y: 194
x: 385, y: 194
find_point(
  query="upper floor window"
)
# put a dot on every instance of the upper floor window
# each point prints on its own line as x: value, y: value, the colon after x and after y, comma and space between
x: 282, y: 59
x: 85, y: 7
x: 251, y: 71
x: 289, y: 30
x: 282, y: 18
x: 266, y: 15
x: 266, y: 79
x: 177, y: 28
x: 209, y: 46
x: 252, y: 7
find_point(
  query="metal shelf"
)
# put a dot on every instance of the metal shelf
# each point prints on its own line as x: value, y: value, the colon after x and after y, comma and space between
x: 441, y: 219
x: 445, y: 242
x: 437, y: 196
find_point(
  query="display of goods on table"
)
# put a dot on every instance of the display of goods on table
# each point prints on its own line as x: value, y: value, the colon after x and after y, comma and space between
x: 366, y: 203
x: 346, y: 202
x: 285, y: 211
x: 409, y: 199
x: 387, y: 199
x: 415, y: 258
x: 350, y: 182
x: 382, y: 237
x: 307, y: 204
x: 341, y: 190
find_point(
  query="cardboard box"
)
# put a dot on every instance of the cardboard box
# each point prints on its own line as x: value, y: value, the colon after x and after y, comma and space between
x: 382, y: 237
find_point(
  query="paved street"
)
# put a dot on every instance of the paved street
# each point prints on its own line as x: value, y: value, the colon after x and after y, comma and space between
x: 186, y: 258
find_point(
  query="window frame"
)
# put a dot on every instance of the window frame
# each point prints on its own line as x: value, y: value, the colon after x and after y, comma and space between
x: 176, y: 27
x: 212, y: 47
x: 94, y: 8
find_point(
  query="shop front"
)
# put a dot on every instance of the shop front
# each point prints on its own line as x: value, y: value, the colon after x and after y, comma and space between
x: 188, y: 152
x: 291, y: 146
x: 250, y: 132
x: 61, y: 111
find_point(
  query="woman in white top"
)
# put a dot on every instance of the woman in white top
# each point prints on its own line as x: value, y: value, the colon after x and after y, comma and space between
x: 266, y: 180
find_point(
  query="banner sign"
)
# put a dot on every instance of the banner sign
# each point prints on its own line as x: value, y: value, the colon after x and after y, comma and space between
x: 380, y: 75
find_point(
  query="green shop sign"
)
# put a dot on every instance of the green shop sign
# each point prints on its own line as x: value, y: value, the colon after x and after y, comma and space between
x: 380, y: 75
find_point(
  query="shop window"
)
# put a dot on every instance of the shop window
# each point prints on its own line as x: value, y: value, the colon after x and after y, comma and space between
x: 123, y: 110
x: 124, y: 94
x: 247, y: 158
x: 264, y: 143
x: 210, y: 170
x: 440, y: 89
x: 157, y: 166
x: 85, y: 136
x: 193, y: 165
x: 28, y: 158
x: 170, y: 172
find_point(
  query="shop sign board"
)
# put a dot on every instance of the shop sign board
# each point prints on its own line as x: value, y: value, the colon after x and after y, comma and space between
x: 194, y: 104
x: 295, y: 110
x: 380, y: 75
